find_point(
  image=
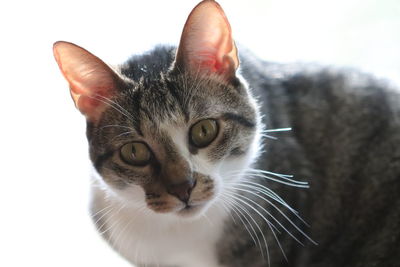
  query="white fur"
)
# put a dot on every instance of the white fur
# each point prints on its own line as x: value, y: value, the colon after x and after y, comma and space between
x: 144, y: 237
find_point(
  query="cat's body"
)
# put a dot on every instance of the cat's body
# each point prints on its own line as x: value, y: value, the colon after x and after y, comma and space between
x: 175, y: 135
x: 346, y: 143
x: 345, y: 129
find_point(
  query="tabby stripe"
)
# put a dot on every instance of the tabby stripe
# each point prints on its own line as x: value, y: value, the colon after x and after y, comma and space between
x: 175, y: 93
x: 239, y: 119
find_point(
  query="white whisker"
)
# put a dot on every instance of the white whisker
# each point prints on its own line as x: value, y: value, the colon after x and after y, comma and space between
x: 270, y: 225
x: 113, y: 104
x: 102, y: 232
x: 240, y: 214
x: 285, y: 179
x: 254, y: 231
x: 121, y: 134
x: 119, y: 126
x: 225, y: 207
x: 282, y: 213
x: 277, y: 130
x: 101, y: 210
x: 271, y: 194
x: 269, y: 136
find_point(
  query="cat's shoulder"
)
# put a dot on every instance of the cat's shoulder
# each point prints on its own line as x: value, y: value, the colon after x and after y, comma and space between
x: 318, y: 86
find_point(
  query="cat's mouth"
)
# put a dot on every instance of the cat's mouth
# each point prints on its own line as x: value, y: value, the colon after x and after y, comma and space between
x: 195, y: 203
x: 190, y: 209
x: 185, y: 210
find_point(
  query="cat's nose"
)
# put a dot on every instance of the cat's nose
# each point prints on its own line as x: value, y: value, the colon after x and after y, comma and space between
x: 183, y: 190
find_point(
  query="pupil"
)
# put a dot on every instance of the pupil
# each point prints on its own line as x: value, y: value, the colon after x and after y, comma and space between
x: 133, y: 152
x: 203, y: 130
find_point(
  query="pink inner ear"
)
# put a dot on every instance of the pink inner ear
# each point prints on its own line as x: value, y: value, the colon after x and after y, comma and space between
x: 213, y: 61
x: 91, y: 81
x: 207, y: 60
x: 206, y: 42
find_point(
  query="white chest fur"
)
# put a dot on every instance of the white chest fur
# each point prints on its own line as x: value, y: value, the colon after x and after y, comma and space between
x: 150, y: 239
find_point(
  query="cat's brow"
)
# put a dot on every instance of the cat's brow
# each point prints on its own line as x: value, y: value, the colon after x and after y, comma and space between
x: 239, y: 119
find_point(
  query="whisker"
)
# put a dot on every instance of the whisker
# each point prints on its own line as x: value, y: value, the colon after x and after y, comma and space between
x: 284, y: 180
x: 116, y: 239
x: 126, y: 226
x: 268, y: 213
x: 113, y: 104
x: 270, y: 225
x: 282, y: 213
x: 226, y: 208
x: 258, y: 227
x: 102, y: 216
x: 115, y: 125
x: 124, y: 238
x: 268, y: 221
x: 101, y: 210
x: 277, y: 130
x: 280, y: 175
x: 121, y: 134
x: 268, y: 192
x: 266, y: 172
x: 269, y: 136
x: 102, y: 232
x: 264, y: 133
x: 264, y: 176
x: 238, y: 213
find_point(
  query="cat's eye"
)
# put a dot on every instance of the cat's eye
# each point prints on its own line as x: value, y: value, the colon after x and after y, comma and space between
x: 203, y: 133
x: 136, y: 153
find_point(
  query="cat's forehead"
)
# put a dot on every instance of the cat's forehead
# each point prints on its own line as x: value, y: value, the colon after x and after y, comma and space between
x: 180, y: 97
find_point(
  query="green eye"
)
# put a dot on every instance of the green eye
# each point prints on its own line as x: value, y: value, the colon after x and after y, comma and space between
x: 203, y: 133
x: 137, y: 154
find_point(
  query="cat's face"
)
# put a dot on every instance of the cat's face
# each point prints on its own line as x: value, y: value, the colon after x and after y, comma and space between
x: 176, y: 148
x: 170, y: 139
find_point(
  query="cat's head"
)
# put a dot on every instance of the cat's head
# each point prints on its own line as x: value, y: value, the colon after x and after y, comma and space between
x: 170, y: 138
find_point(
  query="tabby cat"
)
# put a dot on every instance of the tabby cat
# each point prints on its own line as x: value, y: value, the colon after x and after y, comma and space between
x: 187, y: 172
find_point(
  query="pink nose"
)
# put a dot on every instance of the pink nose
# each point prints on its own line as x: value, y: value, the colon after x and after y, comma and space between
x: 183, y: 190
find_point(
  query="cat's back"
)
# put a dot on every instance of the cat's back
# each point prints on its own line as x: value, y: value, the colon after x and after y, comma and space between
x: 345, y: 140
x: 329, y: 108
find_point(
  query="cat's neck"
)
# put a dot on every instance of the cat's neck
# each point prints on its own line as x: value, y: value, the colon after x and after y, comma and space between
x: 129, y: 228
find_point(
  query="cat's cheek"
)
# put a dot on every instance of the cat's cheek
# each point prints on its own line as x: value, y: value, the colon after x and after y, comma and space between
x: 231, y: 169
x: 218, y: 183
x: 131, y: 195
x: 234, y: 166
x: 211, y: 195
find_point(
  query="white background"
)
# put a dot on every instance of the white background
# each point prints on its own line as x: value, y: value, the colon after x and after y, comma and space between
x: 43, y: 153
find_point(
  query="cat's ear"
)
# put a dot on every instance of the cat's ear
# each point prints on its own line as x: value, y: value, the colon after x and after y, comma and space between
x: 206, y: 44
x: 91, y: 81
